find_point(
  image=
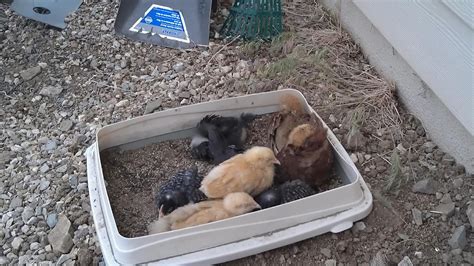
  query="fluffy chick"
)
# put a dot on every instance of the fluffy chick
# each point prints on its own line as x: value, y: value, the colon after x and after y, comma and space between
x: 287, y: 192
x: 219, y: 138
x: 307, y: 156
x: 292, y: 114
x: 233, y: 204
x: 179, y: 190
x: 250, y: 172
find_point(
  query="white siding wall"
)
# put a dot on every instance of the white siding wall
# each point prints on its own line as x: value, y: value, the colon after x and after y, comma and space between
x: 436, y: 38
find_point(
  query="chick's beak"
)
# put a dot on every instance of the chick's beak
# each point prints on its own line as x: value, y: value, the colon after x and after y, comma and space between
x: 275, y: 161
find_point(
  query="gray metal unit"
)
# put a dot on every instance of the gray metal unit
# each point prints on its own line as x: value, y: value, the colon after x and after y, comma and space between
x: 170, y: 23
x: 51, y: 12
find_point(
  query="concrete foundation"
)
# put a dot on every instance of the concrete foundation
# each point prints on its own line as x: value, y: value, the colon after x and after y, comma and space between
x: 441, y: 125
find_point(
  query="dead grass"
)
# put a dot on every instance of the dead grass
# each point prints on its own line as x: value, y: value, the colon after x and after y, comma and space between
x: 396, y: 178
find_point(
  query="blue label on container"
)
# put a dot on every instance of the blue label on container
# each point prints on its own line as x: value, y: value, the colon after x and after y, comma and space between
x: 164, y: 21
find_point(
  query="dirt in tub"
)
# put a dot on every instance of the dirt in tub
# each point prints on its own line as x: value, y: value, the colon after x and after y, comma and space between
x: 134, y: 176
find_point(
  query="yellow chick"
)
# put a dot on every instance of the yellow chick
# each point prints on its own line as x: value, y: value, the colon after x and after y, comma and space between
x: 233, y: 204
x: 250, y: 172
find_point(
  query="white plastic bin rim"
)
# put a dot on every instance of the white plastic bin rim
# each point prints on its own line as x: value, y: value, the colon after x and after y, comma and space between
x: 147, y: 129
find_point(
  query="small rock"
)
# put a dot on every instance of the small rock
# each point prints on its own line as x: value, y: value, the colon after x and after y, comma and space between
x: 360, y: 226
x: 470, y: 214
x: 178, y: 67
x: 16, y: 243
x: 457, y: 183
x: 419, y: 254
x: 446, y: 209
x: 417, y: 216
x: 27, y: 213
x: 60, y: 236
x: 226, y: 69
x: 446, y: 198
x: 458, y: 239
x: 63, y: 259
x: 34, y: 246
x: 52, y: 220
x: 405, y: 262
x: 44, y: 184
x: 426, y: 186
x: 326, y: 252
x: 65, y: 125
x: 30, y: 73
x: 44, y: 168
x: 4, y: 260
x: 50, y: 145
x: 439, y: 195
x: 330, y: 263
x: 50, y: 91
x: 82, y: 187
x: 72, y: 179
x: 354, y: 158
x: 152, y: 106
x: 122, y: 103
x: 355, y: 140
x: 16, y: 202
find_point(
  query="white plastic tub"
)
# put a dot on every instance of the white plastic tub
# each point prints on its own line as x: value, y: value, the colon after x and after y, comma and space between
x: 334, y: 210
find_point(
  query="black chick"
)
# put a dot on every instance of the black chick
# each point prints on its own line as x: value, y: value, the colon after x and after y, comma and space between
x: 179, y: 190
x: 287, y: 192
x: 219, y: 138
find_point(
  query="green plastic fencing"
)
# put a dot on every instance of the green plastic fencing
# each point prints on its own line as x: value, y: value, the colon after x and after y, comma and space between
x: 254, y: 19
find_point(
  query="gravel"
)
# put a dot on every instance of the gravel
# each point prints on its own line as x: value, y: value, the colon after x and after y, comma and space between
x: 58, y: 87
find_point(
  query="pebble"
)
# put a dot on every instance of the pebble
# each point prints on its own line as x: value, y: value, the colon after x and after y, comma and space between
x: 72, y: 179
x: 82, y: 187
x: 60, y: 236
x: 178, y: 67
x: 4, y: 260
x: 458, y: 238
x: 330, y: 263
x: 52, y: 219
x: 446, y: 209
x: 44, y: 184
x: 426, y: 186
x: 34, y: 246
x: 417, y: 216
x: 16, y: 202
x: 405, y: 262
x: 65, y: 125
x: 122, y: 103
x: 359, y: 226
x: 30, y: 73
x: 27, y: 213
x: 326, y: 252
x: 16, y: 243
x: 470, y: 214
x: 152, y: 106
x: 458, y: 182
x: 50, y: 91
x: 44, y: 168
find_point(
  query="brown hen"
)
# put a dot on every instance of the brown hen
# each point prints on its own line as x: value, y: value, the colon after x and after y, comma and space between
x: 300, y: 141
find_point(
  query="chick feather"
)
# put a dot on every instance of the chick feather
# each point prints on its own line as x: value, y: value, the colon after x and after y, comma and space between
x: 299, y: 139
x: 286, y: 192
x: 292, y: 114
x: 219, y: 138
x: 307, y: 156
x: 251, y: 172
x: 179, y: 190
x: 205, y: 212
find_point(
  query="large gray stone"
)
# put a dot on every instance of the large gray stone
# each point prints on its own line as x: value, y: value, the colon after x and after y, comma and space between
x: 405, y: 262
x: 60, y: 236
x: 50, y: 91
x: 446, y: 209
x: 30, y: 73
x: 16, y: 243
x: 27, y: 213
x: 426, y: 186
x: 458, y: 239
x: 470, y: 214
